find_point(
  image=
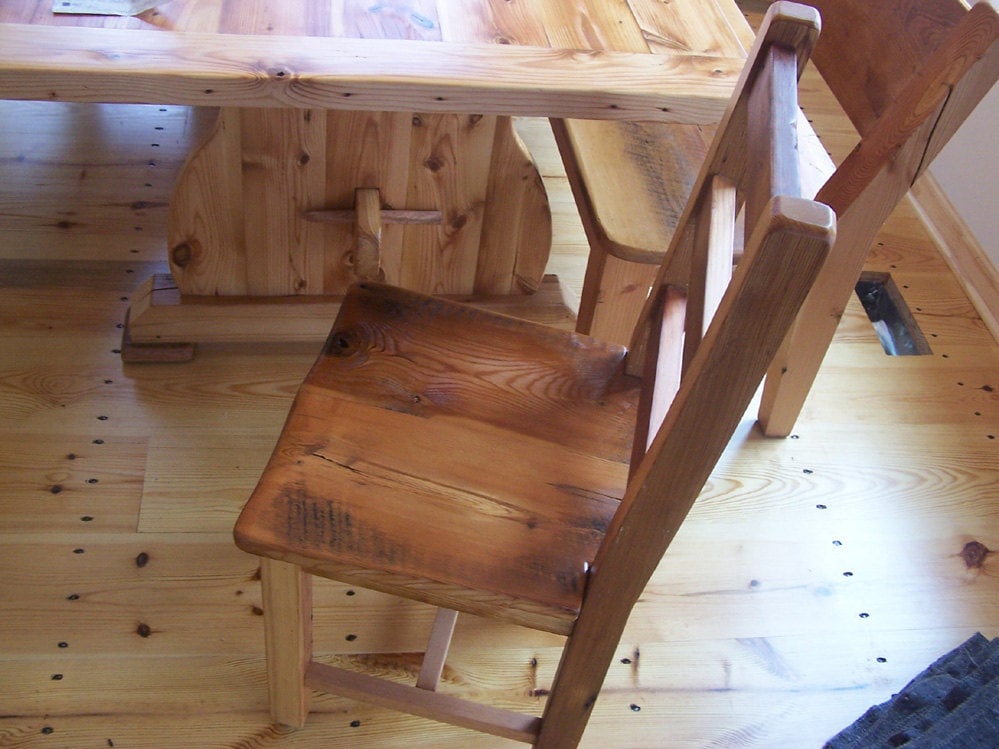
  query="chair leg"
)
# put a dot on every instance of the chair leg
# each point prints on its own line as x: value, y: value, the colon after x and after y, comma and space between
x: 437, y: 647
x: 287, y: 600
x: 596, y: 262
x: 578, y: 681
x: 588, y: 654
x: 625, y: 290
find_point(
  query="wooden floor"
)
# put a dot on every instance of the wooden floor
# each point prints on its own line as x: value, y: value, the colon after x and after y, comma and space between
x: 815, y: 576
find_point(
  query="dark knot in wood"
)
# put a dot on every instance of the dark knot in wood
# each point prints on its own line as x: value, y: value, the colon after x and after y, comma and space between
x: 974, y: 554
x: 182, y: 254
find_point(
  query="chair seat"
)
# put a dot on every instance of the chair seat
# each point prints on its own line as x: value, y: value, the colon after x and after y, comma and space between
x: 396, y: 469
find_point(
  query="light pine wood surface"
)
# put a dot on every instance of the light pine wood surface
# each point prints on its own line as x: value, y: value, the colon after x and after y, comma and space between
x: 814, y: 576
x: 340, y: 55
x: 578, y: 59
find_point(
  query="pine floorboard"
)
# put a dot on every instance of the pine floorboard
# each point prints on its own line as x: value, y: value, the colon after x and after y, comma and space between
x: 814, y: 577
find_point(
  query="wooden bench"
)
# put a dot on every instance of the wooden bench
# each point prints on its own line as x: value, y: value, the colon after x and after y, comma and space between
x: 630, y: 207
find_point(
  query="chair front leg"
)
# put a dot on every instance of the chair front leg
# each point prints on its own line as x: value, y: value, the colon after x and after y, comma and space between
x: 287, y: 601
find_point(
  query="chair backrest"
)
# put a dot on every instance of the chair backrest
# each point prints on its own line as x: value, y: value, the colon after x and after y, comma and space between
x: 707, y: 335
x: 907, y: 73
x: 870, y: 51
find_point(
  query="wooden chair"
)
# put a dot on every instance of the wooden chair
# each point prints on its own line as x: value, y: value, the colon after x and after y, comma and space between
x: 490, y: 465
x: 906, y: 72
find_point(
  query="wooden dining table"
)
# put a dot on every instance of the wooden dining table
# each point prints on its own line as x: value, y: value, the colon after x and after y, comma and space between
x: 374, y: 139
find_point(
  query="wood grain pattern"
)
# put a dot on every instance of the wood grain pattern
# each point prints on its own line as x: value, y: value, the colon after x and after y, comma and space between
x: 451, y: 360
x: 357, y: 74
x: 248, y: 237
x: 749, y: 633
x: 396, y: 365
x: 337, y: 500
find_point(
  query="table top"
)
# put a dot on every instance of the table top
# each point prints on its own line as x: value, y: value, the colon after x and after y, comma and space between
x: 584, y: 58
x: 707, y: 27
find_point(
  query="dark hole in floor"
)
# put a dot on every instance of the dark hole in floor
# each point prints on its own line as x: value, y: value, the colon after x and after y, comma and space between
x: 893, y: 322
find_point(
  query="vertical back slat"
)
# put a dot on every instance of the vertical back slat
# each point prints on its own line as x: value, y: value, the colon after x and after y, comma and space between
x: 664, y: 363
x: 711, y: 264
x: 717, y: 265
x: 771, y: 132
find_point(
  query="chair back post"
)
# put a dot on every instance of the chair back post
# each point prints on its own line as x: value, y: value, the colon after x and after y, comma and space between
x: 719, y: 369
x: 789, y: 248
